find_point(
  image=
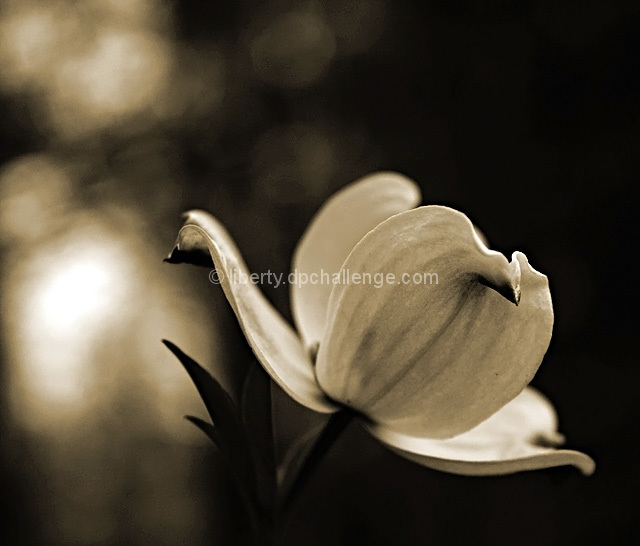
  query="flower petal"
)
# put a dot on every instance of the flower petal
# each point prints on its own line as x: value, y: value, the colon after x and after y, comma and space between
x: 436, y: 355
x: 273, y: 341
x: 521, y: 436
x: 344, y: 219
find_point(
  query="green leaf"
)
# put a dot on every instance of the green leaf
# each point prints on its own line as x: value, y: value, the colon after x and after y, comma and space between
x: 227, y: 430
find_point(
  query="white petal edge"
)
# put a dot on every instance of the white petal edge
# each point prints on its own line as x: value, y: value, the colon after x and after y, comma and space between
x: 337, y: 227
x: 516, y: 438
x: 274, y: 343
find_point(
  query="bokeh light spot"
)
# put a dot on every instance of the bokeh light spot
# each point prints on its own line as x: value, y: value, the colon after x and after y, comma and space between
x: 294, y: 50
x: 29, y: 40
x: 35, y: 190
x: 122, y: 73
x: 64, y: 298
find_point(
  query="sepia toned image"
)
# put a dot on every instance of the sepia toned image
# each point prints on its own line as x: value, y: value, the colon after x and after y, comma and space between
x: 319, y: 273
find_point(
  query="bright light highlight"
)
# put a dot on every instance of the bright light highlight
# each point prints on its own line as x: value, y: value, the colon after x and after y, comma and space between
x: 78, y: 293
x: 68, y: 296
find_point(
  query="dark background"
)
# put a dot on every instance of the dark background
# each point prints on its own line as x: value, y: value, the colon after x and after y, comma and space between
x: 524, y: 115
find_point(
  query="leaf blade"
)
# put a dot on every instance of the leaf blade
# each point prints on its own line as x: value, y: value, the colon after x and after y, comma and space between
x: 230, y: 431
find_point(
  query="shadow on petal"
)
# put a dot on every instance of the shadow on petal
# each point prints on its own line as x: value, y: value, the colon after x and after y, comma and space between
x: 339, y: 225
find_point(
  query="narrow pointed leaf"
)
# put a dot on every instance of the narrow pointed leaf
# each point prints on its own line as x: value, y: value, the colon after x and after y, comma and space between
x: 230, y: 433
x: 210, y: 431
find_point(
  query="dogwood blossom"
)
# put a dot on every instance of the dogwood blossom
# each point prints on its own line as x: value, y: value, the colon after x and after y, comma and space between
x: 440, y: 372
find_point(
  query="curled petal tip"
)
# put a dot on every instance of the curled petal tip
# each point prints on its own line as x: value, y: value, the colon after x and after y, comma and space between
x: 584, y: 463
x: 509, y: 290
x: 170, y: 258
x: 506, y: 280
x: 204, y: 241
x: 195, y: 256
x: 517, y: 291
x: 192, y: 214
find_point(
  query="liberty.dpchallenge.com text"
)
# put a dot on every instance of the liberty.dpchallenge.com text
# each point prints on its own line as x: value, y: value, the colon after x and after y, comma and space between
x: 345, y: 276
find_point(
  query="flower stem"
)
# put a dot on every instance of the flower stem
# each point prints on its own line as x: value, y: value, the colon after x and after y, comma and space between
x: 336, y: 424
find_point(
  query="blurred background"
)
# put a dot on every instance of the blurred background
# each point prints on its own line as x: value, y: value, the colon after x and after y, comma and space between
x: 118, y: 115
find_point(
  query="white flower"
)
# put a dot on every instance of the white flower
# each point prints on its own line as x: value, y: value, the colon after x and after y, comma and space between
x: 437, y: 372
